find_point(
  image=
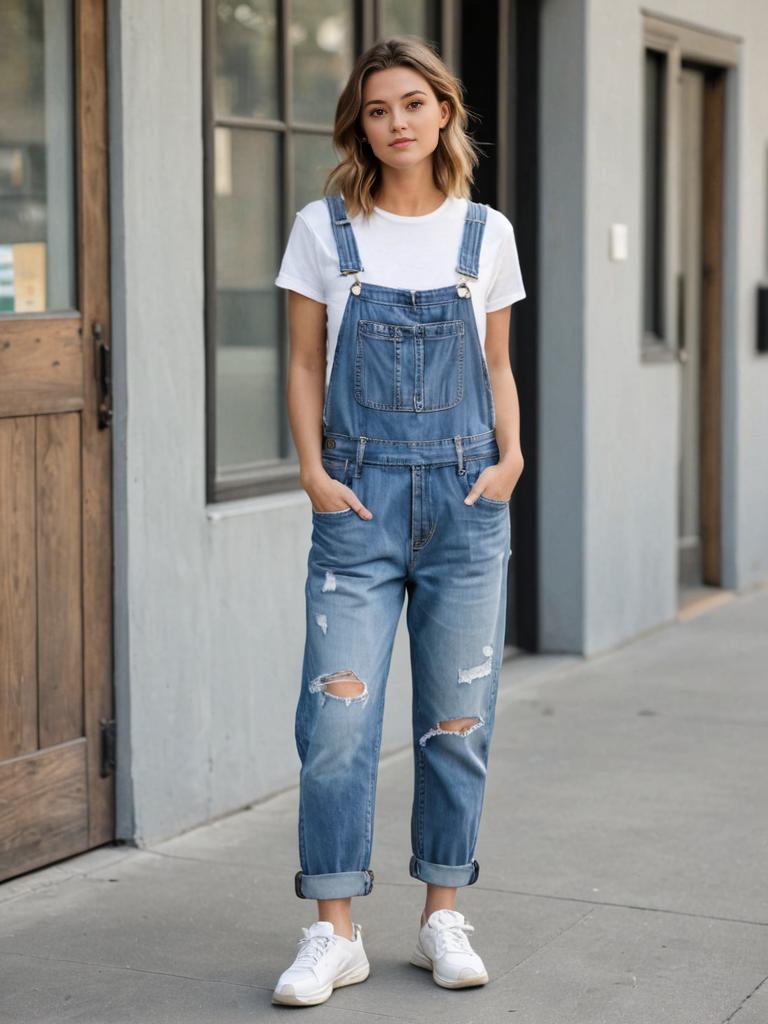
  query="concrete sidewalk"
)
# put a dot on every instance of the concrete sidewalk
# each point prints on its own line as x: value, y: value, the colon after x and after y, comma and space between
x: 623, y: 880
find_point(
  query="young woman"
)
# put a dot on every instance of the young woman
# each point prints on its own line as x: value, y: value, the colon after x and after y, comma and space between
x: 405, y: 416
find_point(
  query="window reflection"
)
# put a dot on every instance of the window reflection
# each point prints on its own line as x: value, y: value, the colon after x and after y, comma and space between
x: 321, y: 39
x: 37, y: 187
x: 246, y: 59
x: 249, y: 393
x: 403, y: 17
x: 314, y: 159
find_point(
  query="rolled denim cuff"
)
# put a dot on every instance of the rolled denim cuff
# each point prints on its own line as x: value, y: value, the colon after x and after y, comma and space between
x: 334, y: 885
x: 453, y: 875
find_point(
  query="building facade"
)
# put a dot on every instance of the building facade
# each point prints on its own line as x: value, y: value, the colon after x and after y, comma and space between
x: 154, y: 541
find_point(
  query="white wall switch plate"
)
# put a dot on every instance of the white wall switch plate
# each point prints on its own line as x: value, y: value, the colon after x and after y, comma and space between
x: 619, y: 245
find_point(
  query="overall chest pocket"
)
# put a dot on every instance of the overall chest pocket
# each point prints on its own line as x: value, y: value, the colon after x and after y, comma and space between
x: 409, y: 369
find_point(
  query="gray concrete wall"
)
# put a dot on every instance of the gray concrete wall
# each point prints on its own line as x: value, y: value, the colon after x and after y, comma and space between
x: 631, y: 407
x: 609, y: 421
x: 209, y: 616
x: 209, y: 604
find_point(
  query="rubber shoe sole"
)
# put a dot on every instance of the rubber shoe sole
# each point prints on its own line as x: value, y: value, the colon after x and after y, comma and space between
x: 288, y: 997
x: 420, y: 959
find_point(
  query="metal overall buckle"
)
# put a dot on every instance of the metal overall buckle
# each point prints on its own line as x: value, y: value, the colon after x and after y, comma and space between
x: 462, y: 288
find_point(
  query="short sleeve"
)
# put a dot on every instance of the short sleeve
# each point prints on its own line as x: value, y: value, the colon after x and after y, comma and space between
x: 300, y: 267
x: 506, y: 285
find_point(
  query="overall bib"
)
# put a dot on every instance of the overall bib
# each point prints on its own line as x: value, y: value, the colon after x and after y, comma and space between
x: 408, y: 425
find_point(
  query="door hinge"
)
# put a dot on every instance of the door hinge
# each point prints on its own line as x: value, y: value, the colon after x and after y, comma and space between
x: 108, y: 728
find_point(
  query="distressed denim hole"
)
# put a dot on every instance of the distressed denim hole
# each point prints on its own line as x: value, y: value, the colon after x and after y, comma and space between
x: 452, y: 727
x: 343, y: 685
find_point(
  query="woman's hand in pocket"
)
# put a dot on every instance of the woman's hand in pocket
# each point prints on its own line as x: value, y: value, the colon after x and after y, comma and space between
x: 498, y: 481
x: 330, y: 495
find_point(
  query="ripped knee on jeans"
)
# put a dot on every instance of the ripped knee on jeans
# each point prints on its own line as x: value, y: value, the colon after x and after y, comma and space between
x: 453, y: 727
x: 344, y: 685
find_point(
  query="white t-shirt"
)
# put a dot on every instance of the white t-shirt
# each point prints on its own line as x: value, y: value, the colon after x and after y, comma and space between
x: 416, y: 253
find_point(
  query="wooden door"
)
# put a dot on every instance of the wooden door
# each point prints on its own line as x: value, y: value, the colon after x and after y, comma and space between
x: 56, y: 728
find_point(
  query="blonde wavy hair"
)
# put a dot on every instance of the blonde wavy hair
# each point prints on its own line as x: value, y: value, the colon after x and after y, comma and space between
x: 358, y: 175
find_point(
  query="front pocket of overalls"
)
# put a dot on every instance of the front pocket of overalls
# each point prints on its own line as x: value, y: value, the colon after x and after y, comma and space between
x: 409, y: 369
x: 341, y: 470
x: 474, y: 467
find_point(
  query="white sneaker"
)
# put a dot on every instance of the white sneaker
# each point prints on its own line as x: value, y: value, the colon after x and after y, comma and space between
x: 324, y: 961
x: 444, y: 949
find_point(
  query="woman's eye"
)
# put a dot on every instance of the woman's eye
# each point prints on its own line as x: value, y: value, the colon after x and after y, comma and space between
x: 375, y: 111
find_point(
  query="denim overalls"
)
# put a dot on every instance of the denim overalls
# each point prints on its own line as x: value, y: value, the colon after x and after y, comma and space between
x: 408, y: 425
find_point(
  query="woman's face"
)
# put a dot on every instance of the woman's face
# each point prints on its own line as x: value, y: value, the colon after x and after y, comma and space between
x: 401, y: 116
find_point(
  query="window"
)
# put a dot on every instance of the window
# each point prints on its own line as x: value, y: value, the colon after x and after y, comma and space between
x: 38, y: 264
x: 654, y: 220
x: 273, y: 72
x: 660, y: 246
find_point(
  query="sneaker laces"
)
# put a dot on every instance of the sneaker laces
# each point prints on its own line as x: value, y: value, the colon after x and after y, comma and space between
x: 312, y: 948
x: 452, y: 938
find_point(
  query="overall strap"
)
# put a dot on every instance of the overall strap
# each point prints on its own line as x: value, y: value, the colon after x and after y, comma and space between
x: 472, y: 239
x: 344, y: 236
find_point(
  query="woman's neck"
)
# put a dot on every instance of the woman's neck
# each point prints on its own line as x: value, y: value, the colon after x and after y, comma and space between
x: 408, y: 193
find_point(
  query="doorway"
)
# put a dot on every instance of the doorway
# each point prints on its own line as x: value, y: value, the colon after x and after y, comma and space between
x: 501, y: 78
x: 700, y: 191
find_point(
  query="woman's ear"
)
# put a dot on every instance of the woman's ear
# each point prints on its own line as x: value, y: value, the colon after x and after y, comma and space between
x: 445, y: 113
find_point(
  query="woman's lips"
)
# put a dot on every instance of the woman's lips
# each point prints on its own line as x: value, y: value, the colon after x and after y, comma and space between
x: 400, y: 143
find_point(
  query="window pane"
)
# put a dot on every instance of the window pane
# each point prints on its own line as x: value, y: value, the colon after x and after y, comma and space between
x: 247, y: 214
x: 37, y: 188
x: 655, y: 77
x: 404, y: 17
x: 321, y: 42
x: 246, y: 59
x: 314, y: 157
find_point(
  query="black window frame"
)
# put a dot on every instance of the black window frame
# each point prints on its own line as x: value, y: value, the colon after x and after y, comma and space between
x: 281, y: 474
x: 660, y: 342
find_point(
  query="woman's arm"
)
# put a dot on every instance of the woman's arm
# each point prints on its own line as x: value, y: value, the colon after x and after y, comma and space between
x: 500, y: 480
x: 306, y: 395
